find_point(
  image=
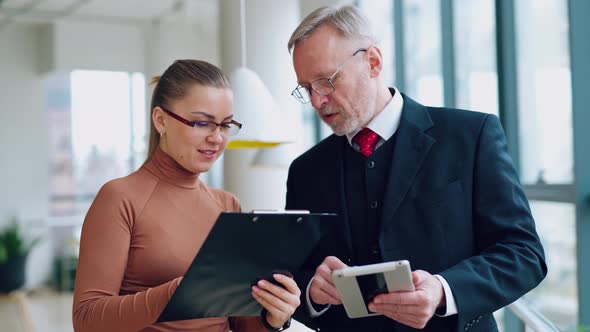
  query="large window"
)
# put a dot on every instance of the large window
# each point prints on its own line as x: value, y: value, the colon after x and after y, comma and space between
x: 97, y: 132
x: 546, y: 149
x: 422, y: 39
x: 557, y: 296
x: 475, y: 55
x: 544, y: 87
x: 381, y: 14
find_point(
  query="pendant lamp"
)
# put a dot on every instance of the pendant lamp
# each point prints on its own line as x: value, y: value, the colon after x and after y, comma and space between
x: 254, y: 105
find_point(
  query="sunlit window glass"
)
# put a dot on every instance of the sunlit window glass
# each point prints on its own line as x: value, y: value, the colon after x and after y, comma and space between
x: 557, y: 296
x: 380, y: 13
x: 97, y: 131
x: 544, y: 88
x: 422, y: 38
x: 475, y: 55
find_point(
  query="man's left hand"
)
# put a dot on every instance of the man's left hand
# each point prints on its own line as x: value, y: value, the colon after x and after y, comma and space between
x: 412, y: 308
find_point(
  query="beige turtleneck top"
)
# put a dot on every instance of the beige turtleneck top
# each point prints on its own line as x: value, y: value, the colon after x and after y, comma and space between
x: 139, y: 237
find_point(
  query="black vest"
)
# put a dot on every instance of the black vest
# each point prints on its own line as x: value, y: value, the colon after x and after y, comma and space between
x: 365, y: 179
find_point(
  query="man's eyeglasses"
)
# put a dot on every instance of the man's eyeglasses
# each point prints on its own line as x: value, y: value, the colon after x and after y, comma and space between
x: 229, y: 128
x: 323, y: 86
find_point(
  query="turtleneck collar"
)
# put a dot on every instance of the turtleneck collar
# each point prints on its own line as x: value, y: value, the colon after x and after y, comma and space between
x: 167, y: 169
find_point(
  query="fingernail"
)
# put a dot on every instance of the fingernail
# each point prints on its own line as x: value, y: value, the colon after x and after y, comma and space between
x: 377, y: 300
x: 372, y: 307
x: 277, y: 275
x: 262, y: 283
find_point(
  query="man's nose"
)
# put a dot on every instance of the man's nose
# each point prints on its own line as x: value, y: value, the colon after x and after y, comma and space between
x: 318, y: 101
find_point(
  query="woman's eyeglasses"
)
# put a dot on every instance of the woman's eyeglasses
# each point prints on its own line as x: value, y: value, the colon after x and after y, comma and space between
x: 229, y: 128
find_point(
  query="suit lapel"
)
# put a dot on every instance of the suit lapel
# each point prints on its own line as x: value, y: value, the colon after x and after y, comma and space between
x: 410, y: 151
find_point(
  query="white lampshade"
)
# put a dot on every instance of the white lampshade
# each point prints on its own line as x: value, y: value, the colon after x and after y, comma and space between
x: 279, y: 157
x: 256, y: 109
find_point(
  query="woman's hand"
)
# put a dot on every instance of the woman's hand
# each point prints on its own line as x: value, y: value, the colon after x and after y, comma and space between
x: 279, y: 302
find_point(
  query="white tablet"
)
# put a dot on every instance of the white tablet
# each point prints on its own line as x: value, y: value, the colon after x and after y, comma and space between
x: 358, y: 285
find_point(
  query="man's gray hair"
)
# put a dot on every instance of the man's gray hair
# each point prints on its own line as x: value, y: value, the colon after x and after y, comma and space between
x: 348, y: 20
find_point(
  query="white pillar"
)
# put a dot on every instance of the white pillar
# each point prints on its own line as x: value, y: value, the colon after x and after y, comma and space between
x: 268, y: 25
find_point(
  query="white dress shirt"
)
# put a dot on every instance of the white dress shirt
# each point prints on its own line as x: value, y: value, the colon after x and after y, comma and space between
x: 385, y: 124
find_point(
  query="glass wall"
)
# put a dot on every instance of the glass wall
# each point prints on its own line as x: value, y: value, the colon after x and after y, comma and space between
x: 544, y: 88
x: 557, y: 296
x: 475, y: 55
x: 422, y: 53
x: 546, y: 147
x: 381, y: 14
x: 97, y: 132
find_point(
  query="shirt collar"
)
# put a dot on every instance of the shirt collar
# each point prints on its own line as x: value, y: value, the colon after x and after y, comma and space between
x: 385, y: 124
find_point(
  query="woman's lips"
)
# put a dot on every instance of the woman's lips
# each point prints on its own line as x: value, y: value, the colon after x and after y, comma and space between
x: 209, y: 154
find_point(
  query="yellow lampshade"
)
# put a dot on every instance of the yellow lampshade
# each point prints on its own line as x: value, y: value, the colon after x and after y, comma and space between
x: 243, y: 144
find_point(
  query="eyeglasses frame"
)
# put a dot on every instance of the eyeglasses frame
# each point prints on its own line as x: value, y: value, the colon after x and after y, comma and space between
x: 297, y: 94
x: 194, y: 124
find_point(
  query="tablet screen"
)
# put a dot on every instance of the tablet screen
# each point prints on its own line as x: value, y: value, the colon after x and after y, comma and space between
x: 371, y: 285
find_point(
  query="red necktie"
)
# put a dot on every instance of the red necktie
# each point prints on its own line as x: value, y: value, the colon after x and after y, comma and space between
x: 366, y: 139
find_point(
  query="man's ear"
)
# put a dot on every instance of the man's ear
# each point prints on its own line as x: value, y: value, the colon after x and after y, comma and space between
x: 159, y: 119
x: 375, y: 61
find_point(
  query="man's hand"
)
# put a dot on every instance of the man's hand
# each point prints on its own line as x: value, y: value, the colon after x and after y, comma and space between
x: 322, y: 290
x: 412, y: 308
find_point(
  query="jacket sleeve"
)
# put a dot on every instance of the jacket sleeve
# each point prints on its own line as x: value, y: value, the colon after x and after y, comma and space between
x: 510, y: 259
x: 104, y: 248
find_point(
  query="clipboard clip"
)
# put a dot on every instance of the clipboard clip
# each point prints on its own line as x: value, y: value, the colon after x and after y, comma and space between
x: 280, y: 211
x: 300, y: 219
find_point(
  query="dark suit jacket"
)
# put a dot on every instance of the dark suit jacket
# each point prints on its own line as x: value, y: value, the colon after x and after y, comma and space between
x: 453, y: 206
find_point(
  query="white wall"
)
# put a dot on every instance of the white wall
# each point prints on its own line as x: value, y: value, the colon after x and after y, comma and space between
x: 190, y: 33
x: 23, y: 137
x: 98, y: 46
x: 28, y: 52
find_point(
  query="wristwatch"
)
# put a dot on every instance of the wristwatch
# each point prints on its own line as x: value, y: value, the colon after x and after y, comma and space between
x: 270, y: 327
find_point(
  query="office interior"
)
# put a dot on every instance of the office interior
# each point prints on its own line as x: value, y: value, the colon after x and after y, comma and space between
x: 74, y: 99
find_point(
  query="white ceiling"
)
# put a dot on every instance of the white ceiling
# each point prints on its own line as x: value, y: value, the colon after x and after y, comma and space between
x: 123, y: 11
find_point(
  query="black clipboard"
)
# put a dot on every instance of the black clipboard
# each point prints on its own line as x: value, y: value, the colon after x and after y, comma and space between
x: 240, y: 248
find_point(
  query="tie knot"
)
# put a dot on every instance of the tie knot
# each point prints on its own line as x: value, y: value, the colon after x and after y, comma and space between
x: 366, y: 139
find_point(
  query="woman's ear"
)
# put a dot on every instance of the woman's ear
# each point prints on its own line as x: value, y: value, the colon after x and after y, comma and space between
x: 375, y: 61
x: 158, y: 119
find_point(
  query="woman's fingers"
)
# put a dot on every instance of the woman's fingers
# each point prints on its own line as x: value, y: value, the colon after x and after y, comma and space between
x: 289, y: 283
x: 276, y: 294
x: 275, y: 298
x: 274, y: 317
x: 271, y: 301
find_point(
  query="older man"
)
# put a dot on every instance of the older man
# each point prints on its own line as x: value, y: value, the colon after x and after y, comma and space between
x: 435, y: 186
